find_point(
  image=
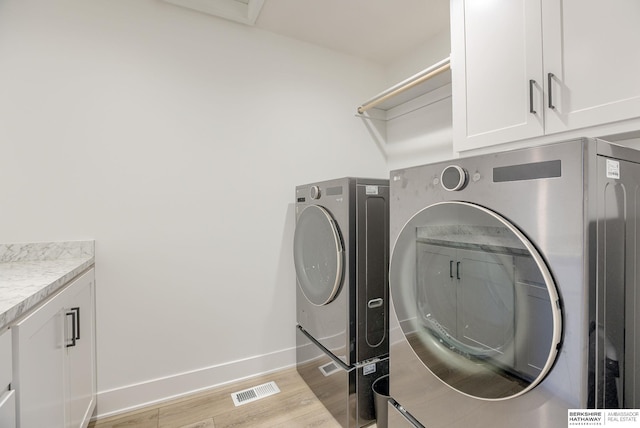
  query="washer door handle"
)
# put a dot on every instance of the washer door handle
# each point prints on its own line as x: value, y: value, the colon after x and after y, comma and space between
x: 375, y: 303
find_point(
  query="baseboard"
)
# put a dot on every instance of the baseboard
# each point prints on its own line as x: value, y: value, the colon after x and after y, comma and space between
x: 136, y: 396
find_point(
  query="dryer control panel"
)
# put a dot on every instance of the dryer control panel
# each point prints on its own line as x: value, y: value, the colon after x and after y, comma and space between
x: 454, y: 178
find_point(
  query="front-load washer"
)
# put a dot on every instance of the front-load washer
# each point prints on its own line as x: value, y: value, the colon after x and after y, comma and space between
x: 341, y: 246
x: 514, y: 282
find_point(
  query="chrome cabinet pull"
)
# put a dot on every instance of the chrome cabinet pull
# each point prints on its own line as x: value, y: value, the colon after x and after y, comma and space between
x: 532, y: 83
x: 550, y: 77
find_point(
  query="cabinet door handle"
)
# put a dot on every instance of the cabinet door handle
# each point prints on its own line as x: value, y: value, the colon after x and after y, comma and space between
x: 457, y: 270
x: 74, y: 317
x: 450, y: 268
x: 550, y: 77
x: 532, y: 83
x: 77, y: 311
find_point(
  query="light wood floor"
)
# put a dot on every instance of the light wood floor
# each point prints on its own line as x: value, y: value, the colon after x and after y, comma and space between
x: 295, y: 406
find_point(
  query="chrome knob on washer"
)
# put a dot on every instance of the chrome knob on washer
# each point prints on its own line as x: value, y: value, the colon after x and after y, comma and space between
x: 453, y: 178
x: 314, y: 192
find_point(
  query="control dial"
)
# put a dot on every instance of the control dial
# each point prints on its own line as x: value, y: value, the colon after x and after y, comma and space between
x: 453, y: 178
x: 314, y: 192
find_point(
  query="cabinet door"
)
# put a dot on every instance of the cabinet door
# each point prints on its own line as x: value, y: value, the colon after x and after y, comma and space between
x: 497, y: 71
x: 8, y: 409
x: 468, y: 296
x: 7, y: 395
x: 436, y: 282
x: 80, y: 355
x: 486, y: 302
x: 38, y: 347
x: 591, y: 48
x: 55, y: 379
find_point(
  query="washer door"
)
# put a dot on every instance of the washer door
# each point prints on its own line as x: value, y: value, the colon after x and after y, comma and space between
x: 318, y: 255
x: 475, y: 300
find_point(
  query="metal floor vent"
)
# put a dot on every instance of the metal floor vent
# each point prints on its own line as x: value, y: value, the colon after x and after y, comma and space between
x: 255, y: 393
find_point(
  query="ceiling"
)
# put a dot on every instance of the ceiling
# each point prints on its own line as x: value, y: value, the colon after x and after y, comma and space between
x: 378, y: 30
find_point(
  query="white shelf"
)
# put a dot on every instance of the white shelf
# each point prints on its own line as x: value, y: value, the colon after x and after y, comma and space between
x: 428, y: 80
x: 411, y: 122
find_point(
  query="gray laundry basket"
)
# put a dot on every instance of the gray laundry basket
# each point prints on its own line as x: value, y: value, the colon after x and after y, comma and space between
x: 380, y: 400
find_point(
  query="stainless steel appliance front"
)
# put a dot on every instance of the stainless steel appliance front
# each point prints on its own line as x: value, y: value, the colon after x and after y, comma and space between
x: 498, y: 273
x: 341, y: 247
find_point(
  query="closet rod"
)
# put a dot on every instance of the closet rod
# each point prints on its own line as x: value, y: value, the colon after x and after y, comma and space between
x: 409, y: 83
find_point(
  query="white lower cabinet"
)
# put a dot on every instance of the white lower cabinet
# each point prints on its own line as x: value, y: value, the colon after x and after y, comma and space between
x: 7, y: 395
x: 80, y: 361
x: 475, y: 295
x: 8, y: 409
x: 54, y: 359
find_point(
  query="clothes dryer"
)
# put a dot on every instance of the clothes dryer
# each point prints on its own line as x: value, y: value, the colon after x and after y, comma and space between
x: 341, y: 246
x: 514, y: 287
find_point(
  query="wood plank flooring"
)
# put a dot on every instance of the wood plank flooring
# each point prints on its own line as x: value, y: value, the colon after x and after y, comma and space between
x: 295, y: 406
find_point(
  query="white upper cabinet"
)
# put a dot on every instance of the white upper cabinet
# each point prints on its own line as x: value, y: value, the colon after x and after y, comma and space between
x: 496, y: 50
x: 591, y: 48
x: 527, y: 68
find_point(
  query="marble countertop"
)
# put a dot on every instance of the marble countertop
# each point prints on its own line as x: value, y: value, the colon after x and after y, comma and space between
x: 29, y: 273
x: 483, y: 238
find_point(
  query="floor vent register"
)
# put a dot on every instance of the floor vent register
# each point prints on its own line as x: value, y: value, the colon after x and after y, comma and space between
x: 256, y: 393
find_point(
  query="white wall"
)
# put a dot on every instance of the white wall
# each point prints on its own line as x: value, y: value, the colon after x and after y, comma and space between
x: 430, y: 52
x: 175, y: 140
x: 422, y: 131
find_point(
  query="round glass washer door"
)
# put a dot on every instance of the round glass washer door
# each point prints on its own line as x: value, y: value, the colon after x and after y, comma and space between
x: 475, y: 300
x: 318, y: 255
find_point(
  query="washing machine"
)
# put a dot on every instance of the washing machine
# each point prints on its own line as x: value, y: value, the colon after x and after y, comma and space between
x: 341, y: 248
x: 514, y: 287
